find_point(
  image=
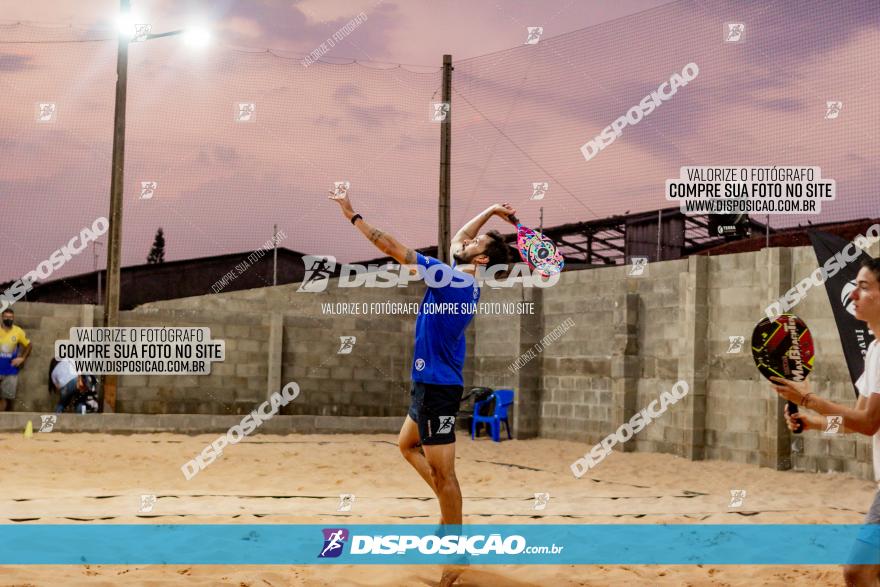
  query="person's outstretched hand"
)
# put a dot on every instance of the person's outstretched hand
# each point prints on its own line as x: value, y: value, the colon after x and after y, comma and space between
x: 340, y: 196
x: 505, y: 211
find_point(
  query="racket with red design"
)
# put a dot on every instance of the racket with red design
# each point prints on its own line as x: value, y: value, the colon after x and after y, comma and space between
x: 538, y: 251
x: 783, y: 347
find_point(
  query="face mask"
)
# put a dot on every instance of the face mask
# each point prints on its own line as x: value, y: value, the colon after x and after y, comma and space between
x: 7, y: 323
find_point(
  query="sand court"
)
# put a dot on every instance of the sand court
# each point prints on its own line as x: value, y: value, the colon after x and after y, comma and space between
x: 82, y: 478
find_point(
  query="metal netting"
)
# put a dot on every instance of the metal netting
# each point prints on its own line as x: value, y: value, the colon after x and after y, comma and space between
x: 519, y: 117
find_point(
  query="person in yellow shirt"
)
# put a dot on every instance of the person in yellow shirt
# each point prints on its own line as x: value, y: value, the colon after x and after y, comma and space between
x: 12, y: 338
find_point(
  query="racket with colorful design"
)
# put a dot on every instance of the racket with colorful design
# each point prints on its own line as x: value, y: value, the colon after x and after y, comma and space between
x: 538, y: 251
x: 783, y: 347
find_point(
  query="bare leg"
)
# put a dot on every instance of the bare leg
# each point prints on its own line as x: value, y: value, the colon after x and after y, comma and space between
x: 861, y: 575
x: 441, y: 459
x: 450, y: 574
x: 409, y: 444
x: 860, y: 572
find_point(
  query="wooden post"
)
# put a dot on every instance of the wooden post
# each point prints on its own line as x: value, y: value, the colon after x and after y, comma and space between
x: 114, y: 245
x: 444, y: 238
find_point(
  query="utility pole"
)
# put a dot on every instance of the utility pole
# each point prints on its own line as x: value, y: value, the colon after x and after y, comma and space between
x: 274, y: 254
x: 95, y: 246
x: 444, y: 239
x: 114, y: 245
x: 117, y: 183
x: 659, y: 222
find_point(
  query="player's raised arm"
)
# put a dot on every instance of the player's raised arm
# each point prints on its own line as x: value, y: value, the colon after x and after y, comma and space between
x: 383, y: 241
x: 472, y: 228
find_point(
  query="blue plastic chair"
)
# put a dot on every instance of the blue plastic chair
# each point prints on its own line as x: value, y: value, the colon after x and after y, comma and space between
x: 503, y: 399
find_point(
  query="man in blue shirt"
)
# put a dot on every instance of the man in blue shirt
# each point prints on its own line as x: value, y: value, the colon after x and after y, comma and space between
x: 438, y: 359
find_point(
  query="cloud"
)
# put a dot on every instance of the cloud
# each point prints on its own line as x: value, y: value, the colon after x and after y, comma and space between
x: 13, y: 62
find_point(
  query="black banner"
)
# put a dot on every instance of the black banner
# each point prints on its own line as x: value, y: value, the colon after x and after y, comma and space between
x: 833, y: 252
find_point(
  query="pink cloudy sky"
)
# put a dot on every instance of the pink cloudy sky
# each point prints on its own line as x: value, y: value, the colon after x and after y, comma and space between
x: 521, y: 114
x: 417, y: 32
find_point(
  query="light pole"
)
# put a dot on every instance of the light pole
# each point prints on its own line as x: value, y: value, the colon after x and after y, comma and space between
x: 443, y: 205
x: 95, y: 246
x: 114, y: 239
x: 275, y: 254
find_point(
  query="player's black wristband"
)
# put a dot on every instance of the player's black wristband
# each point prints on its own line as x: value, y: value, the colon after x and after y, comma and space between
x: 355, y: 218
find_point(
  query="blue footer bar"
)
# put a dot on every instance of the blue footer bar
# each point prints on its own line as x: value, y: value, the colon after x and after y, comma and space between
x: 298, y: 544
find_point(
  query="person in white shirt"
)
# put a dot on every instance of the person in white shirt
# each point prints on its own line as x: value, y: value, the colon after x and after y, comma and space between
x: 64, y: 378
x: 864, y: 418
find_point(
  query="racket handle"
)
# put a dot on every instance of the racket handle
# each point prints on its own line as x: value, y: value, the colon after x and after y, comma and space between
x: 513, y: 219
x: 793, y: 409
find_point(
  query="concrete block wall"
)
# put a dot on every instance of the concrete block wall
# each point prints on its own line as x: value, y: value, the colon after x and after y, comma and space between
x: 495, y: 343
x: 43, y: 324
x: 632, y: 338
x: 830, y: 379
x: 372, y: 380
x: 738, y: 400
x: 234, y: 386
x: 661, y: 343
x: 496, y: 339
x: 576, y: 375
x: 743, y: 415
x: 685, y: 313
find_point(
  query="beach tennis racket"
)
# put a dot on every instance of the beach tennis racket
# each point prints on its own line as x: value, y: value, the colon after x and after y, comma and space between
x: 538, y: 251
x: 783, y: 347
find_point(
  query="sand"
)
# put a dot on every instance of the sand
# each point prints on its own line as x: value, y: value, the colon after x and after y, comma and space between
x: 298, y: 479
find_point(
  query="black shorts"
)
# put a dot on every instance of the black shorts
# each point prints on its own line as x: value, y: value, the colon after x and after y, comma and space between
x: 434, y: 408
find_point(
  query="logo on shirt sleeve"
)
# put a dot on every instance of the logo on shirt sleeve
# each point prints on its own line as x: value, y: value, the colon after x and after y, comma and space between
x: 420, y: 364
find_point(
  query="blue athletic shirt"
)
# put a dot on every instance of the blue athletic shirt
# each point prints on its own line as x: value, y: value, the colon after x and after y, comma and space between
x: 440, y: 344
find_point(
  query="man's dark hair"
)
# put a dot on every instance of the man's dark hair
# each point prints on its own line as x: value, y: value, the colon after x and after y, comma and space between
x: 873, y: 266
x: 497, y: 250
